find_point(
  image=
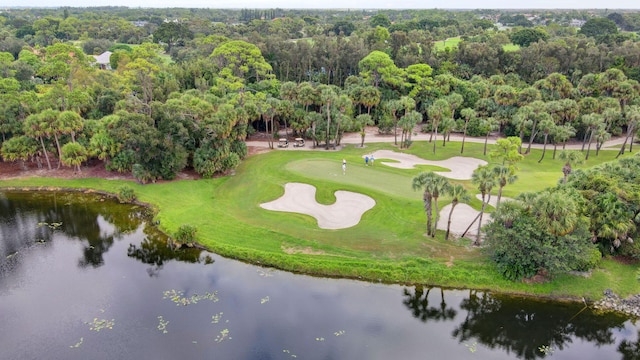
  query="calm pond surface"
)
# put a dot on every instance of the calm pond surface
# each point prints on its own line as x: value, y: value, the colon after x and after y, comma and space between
x: 85, y: 278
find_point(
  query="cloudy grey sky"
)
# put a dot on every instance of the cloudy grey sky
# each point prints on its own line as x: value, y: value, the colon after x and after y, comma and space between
x: 341, y: 4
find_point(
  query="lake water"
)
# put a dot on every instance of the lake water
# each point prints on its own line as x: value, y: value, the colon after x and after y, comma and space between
x: 85, y: 278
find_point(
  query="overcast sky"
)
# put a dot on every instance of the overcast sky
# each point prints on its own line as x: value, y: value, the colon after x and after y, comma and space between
x: 341, y: 4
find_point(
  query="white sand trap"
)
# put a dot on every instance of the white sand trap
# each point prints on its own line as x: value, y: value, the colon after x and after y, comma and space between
x: 301, y: 198
x: 461, y: 167
x: 493, y: 201
x: 463, y: 215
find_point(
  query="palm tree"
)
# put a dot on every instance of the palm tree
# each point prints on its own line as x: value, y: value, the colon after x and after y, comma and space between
x: 485, y: 179
x: 601, y: 137
x: 487, y: 125
x: 557, y: 212
x: 561, y: 135
x: 437, y: 111
x: 509, y: 212
x: 73, y: 154
x: 458, y: 194
x: 521, y: 121
x: 592, y: 122
x: 407, y: 123
x: 447, y: 125
x: 538, y: 108
x: 361, y: 123
x: 548, y: 127
x: 307, y: 95
x: 370, y: 97
x: 394, y: 107
x: 37, y: 129
x: 467, y: 114
x: 50, y: 117
x: 440, y: 185
x: 570, y: 157
x: 344, y: 105
x: 633, y: 117
x: 69, y: 122
x: 20, y: 148
x: 505, y: 175
x: 424, y: 181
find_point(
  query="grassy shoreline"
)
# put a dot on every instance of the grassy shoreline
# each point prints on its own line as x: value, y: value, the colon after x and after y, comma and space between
x: 387, y: 246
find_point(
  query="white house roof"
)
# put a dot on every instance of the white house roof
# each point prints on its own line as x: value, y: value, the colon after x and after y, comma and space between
x: 103, y: 58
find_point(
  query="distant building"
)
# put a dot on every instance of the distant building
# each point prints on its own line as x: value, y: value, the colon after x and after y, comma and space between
x: 140, y: 23
x: 102, y: 60
x: 576, y: 22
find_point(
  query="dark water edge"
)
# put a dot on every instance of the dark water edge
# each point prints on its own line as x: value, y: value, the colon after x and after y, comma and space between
x: 88, y: 278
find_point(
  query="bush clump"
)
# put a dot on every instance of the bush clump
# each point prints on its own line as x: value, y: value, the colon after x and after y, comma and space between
x: 126, y: 194
x: 186, y: 235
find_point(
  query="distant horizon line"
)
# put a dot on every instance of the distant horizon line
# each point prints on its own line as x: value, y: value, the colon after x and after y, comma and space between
x: 303, y: 8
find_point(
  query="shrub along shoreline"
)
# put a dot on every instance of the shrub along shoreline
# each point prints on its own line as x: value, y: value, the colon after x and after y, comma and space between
x: 388, y: 246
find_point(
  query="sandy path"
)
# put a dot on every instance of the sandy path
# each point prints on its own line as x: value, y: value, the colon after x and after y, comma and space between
x: 301, y: 198
x: 461, y: 167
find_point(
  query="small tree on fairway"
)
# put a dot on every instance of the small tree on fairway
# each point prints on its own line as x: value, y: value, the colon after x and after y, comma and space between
x: 440, y: 186
x: 425, y: 181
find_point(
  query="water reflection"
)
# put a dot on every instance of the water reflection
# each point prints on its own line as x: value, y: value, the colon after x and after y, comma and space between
x: 630, y: 350
x: 94, y: 222
x: 418, y: 303
x: 530, y: 329
x: 526, y: 328
x: 155, y: 251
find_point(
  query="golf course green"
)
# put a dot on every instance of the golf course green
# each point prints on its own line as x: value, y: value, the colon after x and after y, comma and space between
x: 388, y: 245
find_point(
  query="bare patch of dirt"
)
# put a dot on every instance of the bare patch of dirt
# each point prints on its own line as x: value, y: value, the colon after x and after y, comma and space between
x: 306, y: 251
x: 540, y: 278
x: 626, y: 260
x: 255, y: 150
x: 92, y: 169
x: 450, y: 262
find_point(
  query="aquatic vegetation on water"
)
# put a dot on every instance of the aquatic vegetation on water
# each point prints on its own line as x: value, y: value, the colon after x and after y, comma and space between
x: 77, y: 345
x: 162, y: 324
x: 264, y: 273
x: 52, y: 226
x: 264, y: 300
x: 178, y: 297
x: 289, y: 352
x: 100, y: 324
x: 216, y: 318
x: 472, y: 348
x: 546, y: 349
x: 224, y: 335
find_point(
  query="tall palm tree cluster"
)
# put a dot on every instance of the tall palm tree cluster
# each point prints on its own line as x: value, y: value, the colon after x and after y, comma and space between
x: 590, y: 213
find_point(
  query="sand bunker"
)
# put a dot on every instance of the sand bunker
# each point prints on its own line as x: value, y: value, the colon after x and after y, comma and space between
x: 463, y: 215
x: 301, y: 198
x: 461, y: 167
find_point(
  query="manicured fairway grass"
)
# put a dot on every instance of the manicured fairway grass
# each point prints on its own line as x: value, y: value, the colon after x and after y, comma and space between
x: 453, y: 42
x: 389, y: 243
x: 448, y: 43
